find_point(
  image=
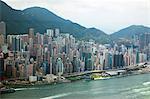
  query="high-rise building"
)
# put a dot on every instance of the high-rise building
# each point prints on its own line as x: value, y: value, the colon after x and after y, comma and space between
x: 75, y: 64
x: 142, y: 57
x: 108, y: 61
x: 31, y: 33
x: 16, y: 43
x: 72, y: 41
x: 9, y: 71
x: 88, y: 61
x: 30, y: 69
x: 50, y: 32
x: 59, y: 67
x: 46, y: 68
x: 1, y: 40
x: 144, y: 40
x: 118, y: 61
x: 3, y: 29
x: 1, y: 69
x: 56, y: 32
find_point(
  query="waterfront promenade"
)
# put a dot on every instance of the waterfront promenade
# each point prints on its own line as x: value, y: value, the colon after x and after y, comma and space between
x: 129, y: 68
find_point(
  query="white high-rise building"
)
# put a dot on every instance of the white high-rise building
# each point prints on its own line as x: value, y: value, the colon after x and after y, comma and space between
x: 57, y: 32
x: 59, y: 67
x: 50, y: 32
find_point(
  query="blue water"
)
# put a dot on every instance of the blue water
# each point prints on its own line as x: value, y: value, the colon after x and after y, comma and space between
x: 131, y: 87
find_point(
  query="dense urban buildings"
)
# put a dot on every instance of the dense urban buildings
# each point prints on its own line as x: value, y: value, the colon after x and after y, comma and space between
x: 35, y: 54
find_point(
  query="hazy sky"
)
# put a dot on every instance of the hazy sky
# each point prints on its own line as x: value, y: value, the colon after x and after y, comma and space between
x: 107, y: 15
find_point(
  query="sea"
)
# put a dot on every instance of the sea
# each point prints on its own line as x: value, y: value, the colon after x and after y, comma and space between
x: 129, y: 87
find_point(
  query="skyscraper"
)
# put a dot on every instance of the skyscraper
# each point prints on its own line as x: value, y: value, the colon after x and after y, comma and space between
x: 118, y: 61
x: 59, y: 67
x: 108, y: 61
x: 3, y: 29
x: 1, y: 68
x: 75, y: 64
x: 144, y: 40
x: 1, y: 40
x: 56, y: 32
x: 50, y: 32
x: 31, y: 33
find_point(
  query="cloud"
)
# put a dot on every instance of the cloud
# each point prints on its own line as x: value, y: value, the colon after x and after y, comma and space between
x: 107, y: 15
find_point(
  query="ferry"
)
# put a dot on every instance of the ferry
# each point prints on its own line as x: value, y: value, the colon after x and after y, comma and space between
x: 99, y: 77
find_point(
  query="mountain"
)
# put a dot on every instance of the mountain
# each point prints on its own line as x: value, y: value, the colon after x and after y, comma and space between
x: 19, y: 21
x: 89, y: 35
x: 130, y: 31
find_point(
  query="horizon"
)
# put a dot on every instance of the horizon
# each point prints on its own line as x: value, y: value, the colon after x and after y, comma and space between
x: 140, y: 11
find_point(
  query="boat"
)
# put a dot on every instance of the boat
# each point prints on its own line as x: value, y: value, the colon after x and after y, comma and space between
x: 99, y: 77
x: 7, y: 90
x: 86, y: 77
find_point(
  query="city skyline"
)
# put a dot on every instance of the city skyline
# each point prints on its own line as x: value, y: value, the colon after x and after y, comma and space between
x: 133, y: 12
x: 63, y: 49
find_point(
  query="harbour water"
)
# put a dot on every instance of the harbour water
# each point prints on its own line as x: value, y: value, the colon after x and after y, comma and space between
x: 130, y: 87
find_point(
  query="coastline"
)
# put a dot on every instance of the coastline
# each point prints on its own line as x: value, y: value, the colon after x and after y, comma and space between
x: 130, y: 72
x: 56, y: 83
x: 86, y: 89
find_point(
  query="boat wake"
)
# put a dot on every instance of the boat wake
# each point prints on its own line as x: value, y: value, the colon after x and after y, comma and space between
x: 56, y: 96
x: 141, y: 89
x: 137, y: 91
x: 65, y: 94
x: 20, y: 89
x: 146, y: 83
x: 145, y: 93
